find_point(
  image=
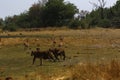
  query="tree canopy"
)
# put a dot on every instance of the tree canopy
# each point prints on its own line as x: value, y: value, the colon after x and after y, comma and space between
x: 104, y: 17
x: 44, y: 14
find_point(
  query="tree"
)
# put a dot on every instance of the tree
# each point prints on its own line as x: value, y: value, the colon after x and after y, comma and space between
x: 104, y: 17
x: 23, y: 20
x: 35, y: 15
x: 45, y: 13
x: 1, y: 21
x: 42, y: 2
x: 101, y: 6
x: 82, y: 14
x: 9, y: 24
x: 114, y: 15
x: 97, y: 17
x: 58, y: 13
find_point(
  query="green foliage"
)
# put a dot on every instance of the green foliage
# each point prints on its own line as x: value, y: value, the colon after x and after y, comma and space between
x: 104, y: 23
x: 74, y: 24
x: 35, y: 15
x: 23, y: 20
x: 10, y: 27
x: 58, y: 13
x: 104, y: 17
x: 43, y: 14
x: 84, y: 24
x: 115, y: 22
x: 1, y: 21
x: 9, y: 24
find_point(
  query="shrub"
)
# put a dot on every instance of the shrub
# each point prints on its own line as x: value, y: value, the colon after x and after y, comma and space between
x: 10, y: 27
x: 105, y: 23
x: 74, y: 24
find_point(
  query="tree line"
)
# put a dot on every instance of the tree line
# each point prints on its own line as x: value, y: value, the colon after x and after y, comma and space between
x: 44, y: 13
x: 103, y: 17
x: 58, y: 13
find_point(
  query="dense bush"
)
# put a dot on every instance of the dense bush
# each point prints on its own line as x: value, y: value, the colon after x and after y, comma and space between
x: 105, y: 17
x: 74, y: 24
x: 105, y: 23
x: 10, y: 27
x: 50, y: 13
x: 58, y: 13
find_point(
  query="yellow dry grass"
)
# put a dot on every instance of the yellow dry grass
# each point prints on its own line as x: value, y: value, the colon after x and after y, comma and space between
x: 103, y: 37
x: 74, y: 39
x: 89, y: 71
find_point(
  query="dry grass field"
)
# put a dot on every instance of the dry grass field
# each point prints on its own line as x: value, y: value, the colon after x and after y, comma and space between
x: 92, y: 54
